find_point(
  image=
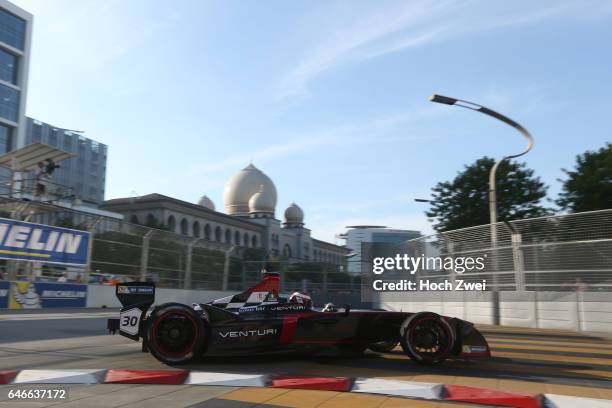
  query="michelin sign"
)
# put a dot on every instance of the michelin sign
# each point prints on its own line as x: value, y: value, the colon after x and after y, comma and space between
x: 42, y: 243
x: 44, y: 295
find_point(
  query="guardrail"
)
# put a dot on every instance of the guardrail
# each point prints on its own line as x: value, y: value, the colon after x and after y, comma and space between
x: 122, y: 251
x: 547, y: 272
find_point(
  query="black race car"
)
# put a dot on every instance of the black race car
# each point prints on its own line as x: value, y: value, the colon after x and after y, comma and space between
x: 259, y: 321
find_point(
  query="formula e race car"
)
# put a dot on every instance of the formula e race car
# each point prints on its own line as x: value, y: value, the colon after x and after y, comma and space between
x: 259, y: 321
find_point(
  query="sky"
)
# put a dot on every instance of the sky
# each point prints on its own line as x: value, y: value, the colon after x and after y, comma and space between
x: 329, y: 98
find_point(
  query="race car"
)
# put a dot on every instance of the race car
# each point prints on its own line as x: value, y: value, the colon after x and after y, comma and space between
x: 259, y: 321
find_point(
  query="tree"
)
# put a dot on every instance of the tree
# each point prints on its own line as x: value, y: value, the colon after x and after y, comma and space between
x: 464, y: 202
x: 589, y: 186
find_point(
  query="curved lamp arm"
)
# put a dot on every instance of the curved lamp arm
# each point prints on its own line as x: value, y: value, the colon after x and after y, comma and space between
x: 490, y: 112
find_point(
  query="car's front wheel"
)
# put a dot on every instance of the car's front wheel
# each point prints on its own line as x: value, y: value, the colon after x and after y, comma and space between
x: 176, y: 334
x: 427, y: 338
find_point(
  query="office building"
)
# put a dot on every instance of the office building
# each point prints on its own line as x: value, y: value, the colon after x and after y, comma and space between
x: 15, y: 38
x: 358, y: 234
x: 84, y: 175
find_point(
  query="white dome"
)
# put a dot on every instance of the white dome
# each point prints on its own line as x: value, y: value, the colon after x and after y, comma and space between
x: 207, y: 203
x: 294, y: 214
x: 262, y: 202
x: 242, y: 186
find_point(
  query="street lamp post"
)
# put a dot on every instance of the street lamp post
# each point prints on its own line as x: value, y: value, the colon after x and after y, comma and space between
x: 492, y: 189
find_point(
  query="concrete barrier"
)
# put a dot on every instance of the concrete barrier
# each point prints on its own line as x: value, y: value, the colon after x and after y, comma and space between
x: 590, y: 312
x: 101, y: 296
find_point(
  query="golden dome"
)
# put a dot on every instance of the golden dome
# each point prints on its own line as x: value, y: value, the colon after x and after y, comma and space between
x: 294, y: 214
x: 243, y: 185
x: 207, y: 203
x: 261, y: 202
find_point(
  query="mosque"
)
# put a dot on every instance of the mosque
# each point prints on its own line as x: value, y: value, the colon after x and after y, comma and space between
x: 249, y: 220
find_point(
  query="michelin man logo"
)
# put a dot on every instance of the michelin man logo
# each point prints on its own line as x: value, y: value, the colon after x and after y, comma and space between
x: 28, y: 300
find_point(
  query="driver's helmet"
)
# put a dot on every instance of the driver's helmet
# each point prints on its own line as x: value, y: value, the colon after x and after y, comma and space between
x: 300, y: 299
x: 330, y: 307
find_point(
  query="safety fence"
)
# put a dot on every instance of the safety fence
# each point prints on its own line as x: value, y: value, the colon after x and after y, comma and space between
x: 570, y: 252
x: 121, y: 251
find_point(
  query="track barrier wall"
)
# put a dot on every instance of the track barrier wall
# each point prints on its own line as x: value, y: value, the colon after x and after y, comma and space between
x: 568, y: 312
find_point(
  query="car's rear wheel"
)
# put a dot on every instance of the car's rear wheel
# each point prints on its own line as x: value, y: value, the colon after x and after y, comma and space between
x: 176, y: 334
x: 383, y: 346
x: 427, y: 338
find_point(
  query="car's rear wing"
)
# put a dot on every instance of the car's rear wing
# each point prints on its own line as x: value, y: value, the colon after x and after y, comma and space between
x: 136, y: 298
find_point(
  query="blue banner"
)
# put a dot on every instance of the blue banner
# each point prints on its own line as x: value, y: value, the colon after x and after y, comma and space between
x: 4, y: 294
x: 42, y: 243
x: 37, y: 295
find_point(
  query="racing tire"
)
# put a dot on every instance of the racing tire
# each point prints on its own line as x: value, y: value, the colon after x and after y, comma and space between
x: 427, y: 338
x: 384, y: 346
x: 176, y: 334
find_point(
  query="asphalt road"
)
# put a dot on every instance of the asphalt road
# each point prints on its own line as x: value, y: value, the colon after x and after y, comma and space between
x: 523, y: 359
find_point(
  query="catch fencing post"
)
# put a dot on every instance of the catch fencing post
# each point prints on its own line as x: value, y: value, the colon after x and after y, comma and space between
x: 579, y: 318
x: 180, y: 268
x: 144, y: 255
x: 188, y: 255
x: 325, y: 271
x: 517, y: 257
x: 91, y: 231
x: 450, y: 249
x: 226, y: 266
x: 243, y: 276
x: 189, y: 263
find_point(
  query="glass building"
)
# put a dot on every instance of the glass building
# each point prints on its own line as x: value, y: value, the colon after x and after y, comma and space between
x: 84, y: 174
x: 358, y: 234
x: 15, y: 34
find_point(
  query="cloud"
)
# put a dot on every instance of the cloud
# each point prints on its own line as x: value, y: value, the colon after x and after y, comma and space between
x: 407, y: 25
x: 344, y: 42
x: 371, y: 131
x: 88, y: 36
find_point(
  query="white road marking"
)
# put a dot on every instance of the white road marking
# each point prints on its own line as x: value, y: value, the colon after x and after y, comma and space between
x: 53, y: 316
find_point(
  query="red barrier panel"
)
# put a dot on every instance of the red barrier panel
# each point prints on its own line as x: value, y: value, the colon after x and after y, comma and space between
x: 7, y: 376
x: 342, y: 384
x: 168, y: 377
x: 490, y: 397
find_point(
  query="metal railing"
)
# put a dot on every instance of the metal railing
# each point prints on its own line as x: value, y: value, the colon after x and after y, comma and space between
x: 571, y: 252
x: 122, y: 251
x: 26, y: 187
